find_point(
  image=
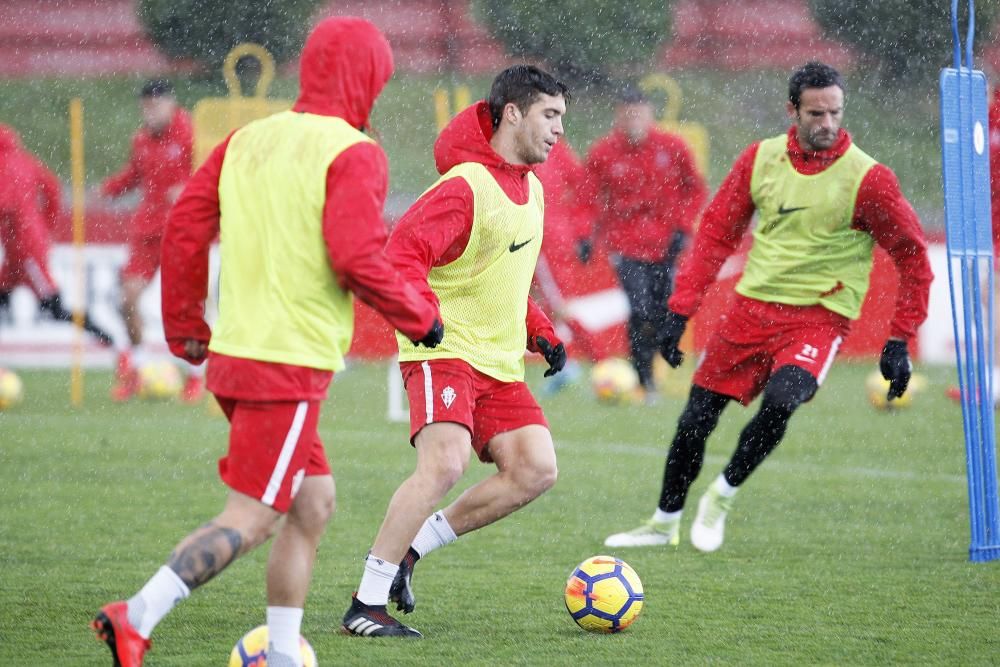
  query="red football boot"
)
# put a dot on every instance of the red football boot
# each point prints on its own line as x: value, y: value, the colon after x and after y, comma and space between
x: 126, y: 379
x: 112, y: 627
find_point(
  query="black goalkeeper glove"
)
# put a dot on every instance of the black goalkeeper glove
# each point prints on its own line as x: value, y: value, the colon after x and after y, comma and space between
x: 432, y: 337
x: 584, y: 249
x: 896, y: 367
x: 670, y: 338
x: 554, y: 356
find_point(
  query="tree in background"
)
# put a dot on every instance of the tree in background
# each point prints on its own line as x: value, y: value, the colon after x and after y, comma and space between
x: 583, y: 40
x: 905, y: 37
x: 206, y: 30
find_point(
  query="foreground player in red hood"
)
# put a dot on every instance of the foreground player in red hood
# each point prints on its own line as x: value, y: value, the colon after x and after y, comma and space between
x: 296, y: 199
x: 822, y: 204
x: 471, y: 242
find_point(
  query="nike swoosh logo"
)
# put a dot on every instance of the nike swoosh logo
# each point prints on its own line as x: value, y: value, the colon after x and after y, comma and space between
x: 514, y: 247
x: 785, y: 211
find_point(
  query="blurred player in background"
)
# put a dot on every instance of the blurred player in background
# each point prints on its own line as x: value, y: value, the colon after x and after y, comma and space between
x: 557, y: 268
x: 29, y: 207
x: 159, y: 165
x: 471, y: 242
x: 822, y: 204
x: 298, y: 200
x: 647, y: 194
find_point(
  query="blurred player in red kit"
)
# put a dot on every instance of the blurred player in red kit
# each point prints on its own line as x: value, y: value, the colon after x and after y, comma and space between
x: 822, y: 204
x: 296, y: 199
x: 29, y: 207
x: 159, y: 165
x: 647, y: 193
x: 558, y: 266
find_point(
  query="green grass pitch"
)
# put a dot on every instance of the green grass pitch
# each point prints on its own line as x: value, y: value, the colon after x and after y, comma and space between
x: 849, y: 546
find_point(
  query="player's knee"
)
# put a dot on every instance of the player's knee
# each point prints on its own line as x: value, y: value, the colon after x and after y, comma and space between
x: 701, y: 414
x: 535, y: 477
x: 790, y: 387
x: 315, y: 506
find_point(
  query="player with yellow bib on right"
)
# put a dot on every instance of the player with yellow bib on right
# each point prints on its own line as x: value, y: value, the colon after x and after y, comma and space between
x: 822, y: 204
x: 470, y: 242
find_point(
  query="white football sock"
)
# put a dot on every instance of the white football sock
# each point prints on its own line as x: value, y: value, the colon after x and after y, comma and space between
x: 723, y: 487
x: 160, y: 594
x: 434, y: 534
x: 283, y: 626
x: 140, y: 356
x: 195, y: 371
x: 666, y: 517
x: 376, y: 581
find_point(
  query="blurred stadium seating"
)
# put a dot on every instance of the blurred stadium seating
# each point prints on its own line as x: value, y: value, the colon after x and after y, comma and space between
x: 102, y: 37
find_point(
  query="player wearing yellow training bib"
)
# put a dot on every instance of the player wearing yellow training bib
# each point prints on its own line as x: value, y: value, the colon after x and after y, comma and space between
x: 821, y: 205
x: 471, y: 240
x: 295, y: 200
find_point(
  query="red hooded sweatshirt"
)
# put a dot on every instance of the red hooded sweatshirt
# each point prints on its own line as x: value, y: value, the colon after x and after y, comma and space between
x: 31, y: 174
x: 29, y: 197
x: 994, y: 123
x: 642, y: 193
x: 436, y: 229
x: 157, y: 164
x: 880, y: 209
x: 345, y: 64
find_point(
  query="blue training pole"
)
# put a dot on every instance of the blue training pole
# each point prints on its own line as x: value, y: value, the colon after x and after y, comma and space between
x: 966, y: 175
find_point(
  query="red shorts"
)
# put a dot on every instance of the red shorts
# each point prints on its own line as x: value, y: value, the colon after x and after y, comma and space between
x: 756, y: 338
x: 25, y: 262
x: 273, y: 446
x: 143, y: 257
x: 450, y: 390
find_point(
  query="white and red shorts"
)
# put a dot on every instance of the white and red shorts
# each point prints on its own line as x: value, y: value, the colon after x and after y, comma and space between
x: 756, y: 338
x: 450, y: 390
x: 273, y: 446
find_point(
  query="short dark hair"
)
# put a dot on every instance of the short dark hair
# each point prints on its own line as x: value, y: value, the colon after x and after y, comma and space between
x: 632, y: 95
x: 156, y: 88
x: 813, y: 74
x: 522, y: 85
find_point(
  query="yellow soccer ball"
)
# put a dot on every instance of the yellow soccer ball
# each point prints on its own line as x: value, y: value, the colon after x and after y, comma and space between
x: 11, y: 389
x: 877, y: 388
x: 614, y: 381
x: 159, y: 380
x: 604, y: 594
x: 251, y: 650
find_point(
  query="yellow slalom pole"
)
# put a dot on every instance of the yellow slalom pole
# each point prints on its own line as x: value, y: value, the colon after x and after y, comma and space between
x: 76, y: 160
x: 441, y: 112
x: 462, y: 98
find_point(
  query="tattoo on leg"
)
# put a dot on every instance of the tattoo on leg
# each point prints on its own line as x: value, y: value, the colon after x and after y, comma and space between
x: 205, y: 553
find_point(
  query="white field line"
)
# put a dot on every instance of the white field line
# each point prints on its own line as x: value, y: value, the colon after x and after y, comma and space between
x: 660, y: 452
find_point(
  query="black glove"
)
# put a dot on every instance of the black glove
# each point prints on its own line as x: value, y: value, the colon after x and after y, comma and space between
x: 896, y: 367
x: 554, y: 356
x: 670, y: 338
x: 584, y: 249
x: 432, y: 337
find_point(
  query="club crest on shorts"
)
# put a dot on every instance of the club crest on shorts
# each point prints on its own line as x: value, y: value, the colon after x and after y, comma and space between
x: 448, y: 396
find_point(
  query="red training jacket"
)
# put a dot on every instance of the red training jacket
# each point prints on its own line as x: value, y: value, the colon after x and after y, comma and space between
x: 642, y: 193
x: 158, y: 163
x: 994, y: 123
x: 880, y: 209
x: 345, y: 64
x: 436, y: 229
